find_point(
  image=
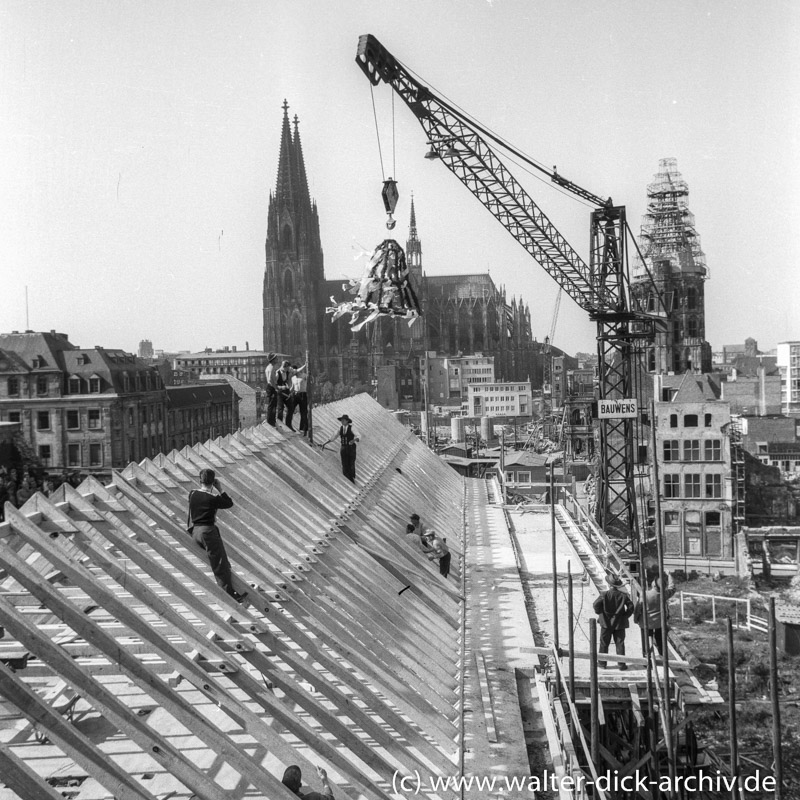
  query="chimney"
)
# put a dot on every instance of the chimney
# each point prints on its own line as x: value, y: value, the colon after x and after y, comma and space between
x: 234, y: 348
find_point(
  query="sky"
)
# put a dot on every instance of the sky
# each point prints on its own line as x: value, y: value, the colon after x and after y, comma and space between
x: 139, y: 145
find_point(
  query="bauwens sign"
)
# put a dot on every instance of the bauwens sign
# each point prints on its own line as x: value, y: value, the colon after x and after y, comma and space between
x: 617, y: 409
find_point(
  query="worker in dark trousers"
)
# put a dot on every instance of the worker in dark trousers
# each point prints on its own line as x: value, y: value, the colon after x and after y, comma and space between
x: 203, y: 506
x: 283, y: 385
x: 613, y: 609
x: 271, y: 397
x: 347, y: 449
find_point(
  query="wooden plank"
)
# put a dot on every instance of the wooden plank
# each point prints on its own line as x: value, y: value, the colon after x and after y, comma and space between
x: 636, y: 705
x: 486, y: 696
x: 631, y: 660
x: 23, y: 781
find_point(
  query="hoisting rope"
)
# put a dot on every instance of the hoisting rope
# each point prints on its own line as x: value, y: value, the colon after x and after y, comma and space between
x: 377, y: 132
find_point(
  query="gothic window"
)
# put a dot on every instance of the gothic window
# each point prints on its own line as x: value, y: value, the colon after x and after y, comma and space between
x: 286, y: 238
x: 691, y: 297
x: 288, y: 283
x: 692, y: 327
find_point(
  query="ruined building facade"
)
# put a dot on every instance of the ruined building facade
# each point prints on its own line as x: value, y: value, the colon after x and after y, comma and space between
x: 462, y: 314
x: 672, y: 257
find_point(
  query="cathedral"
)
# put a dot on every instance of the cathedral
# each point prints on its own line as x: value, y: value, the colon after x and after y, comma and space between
x: 461, y: 314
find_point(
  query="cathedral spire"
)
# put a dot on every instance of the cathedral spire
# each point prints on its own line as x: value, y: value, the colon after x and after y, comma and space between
x: 300, y: 167
x: 414, y: 248
x: 284, y: 192
x: 412, y: 233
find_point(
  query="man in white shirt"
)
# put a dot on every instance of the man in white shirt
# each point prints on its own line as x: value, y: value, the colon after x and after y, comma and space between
x: 298, y: 399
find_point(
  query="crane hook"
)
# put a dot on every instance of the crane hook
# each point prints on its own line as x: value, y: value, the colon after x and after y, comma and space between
x: 390, y: 196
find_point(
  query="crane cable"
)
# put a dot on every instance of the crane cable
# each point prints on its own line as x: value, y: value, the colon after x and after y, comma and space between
x: 377, y: 132
x: 378, y: 137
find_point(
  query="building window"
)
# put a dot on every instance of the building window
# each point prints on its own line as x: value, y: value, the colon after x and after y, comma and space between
x: 672, y: 486
x: 671, y: 450
x: 41, y: 384
x: 94, y: 420
x: 713, y: 486
x: 43, y: 420
x: 95, y: 454
x: 673, y: 420
x: 73, y: 455
x: 691, y: 484
x: 13, y: 386
x: 45, y: 454
x: 693, y: 533
x: 707, y: 420
x: 690, y: 420
x: 523, y: 477
x: 74, y: 385
x: 691, y: 450
x: 672, y: 532
x: 94, y: 385
x: 713, y: 449
x: 73, y: 419
x: 14, y: 416
x: 713, y: 534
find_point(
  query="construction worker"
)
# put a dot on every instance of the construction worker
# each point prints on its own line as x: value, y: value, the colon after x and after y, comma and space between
x: 657, y: 628
x: 271, y: 375
x: 347, y: 449
x: 293, y: 780
x: 203, y: 506
x: 613, y: 609
x: 438, y: 551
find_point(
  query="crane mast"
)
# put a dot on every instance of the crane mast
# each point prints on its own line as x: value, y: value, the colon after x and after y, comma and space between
x: 600, y: 287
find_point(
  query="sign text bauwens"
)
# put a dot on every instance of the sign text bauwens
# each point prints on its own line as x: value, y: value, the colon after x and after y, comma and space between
x: 617, y: 409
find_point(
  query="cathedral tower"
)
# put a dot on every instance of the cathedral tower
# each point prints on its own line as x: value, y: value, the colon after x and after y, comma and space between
x: 294, y: 273
x: 672, y: 256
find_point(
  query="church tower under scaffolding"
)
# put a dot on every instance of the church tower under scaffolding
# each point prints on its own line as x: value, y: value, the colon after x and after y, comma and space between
x: 672, y: 261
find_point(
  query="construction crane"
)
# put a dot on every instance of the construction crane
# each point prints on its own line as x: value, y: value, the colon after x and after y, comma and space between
x: 600, y: 287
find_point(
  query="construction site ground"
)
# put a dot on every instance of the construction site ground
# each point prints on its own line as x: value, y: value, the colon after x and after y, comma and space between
x: 708, y: 643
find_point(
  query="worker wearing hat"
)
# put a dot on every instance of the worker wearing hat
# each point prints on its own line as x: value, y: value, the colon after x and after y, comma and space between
x: 613, y: 609
x: 347, y: 448
x: 271, y: 399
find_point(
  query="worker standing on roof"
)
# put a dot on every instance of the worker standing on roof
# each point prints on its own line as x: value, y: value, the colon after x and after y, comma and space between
x: 298, y: 399
x: 347, y: 448
x: 203, y: 506
x: 613, y: 608
x: 271, y: 374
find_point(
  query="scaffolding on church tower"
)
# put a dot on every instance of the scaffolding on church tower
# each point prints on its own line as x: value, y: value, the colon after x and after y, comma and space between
x: 668, y: 227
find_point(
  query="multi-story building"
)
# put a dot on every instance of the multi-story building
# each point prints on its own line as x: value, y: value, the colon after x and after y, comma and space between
x: 145, y: 349
x: 449, y: 377
x: 698, y: 495
x: 789, y: 364
x: 672, y: 266
x: 249, y: 404
x: 90, y: 409
x: 500, y: 400
x: 199, y: 412
x: 246, y: 365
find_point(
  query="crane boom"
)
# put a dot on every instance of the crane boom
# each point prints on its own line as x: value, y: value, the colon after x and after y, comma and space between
x: 466, y: 153
x: 600, y: 287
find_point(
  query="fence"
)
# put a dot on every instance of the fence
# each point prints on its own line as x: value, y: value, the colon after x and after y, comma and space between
x: 751, y: 621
